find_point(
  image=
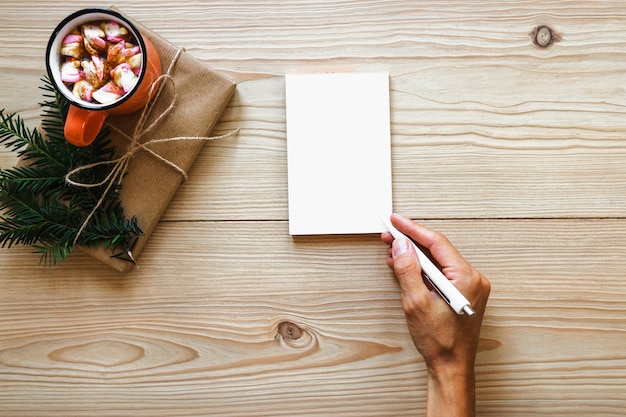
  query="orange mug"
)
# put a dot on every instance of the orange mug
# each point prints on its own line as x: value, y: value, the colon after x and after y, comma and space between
x: 99, y: 61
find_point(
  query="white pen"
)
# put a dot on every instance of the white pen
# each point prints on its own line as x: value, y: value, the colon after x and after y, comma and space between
x: 431, y: 272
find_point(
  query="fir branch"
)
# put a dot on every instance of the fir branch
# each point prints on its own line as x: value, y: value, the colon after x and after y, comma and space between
x: 53, y: 253
x: 33, y: 179
x: 28, y: 143
x: 29, y: 219
x: 38, y: 207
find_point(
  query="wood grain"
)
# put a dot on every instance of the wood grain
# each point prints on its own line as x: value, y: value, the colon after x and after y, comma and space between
x: 212, y: 336
x: 516, y: 152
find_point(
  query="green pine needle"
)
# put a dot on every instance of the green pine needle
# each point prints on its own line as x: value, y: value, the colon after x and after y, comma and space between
x: 38, y: 207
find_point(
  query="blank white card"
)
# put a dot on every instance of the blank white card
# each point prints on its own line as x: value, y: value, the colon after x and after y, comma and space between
x: 338, y: 152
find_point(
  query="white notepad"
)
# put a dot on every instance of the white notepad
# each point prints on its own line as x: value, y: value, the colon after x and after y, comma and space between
x: 339, y: 152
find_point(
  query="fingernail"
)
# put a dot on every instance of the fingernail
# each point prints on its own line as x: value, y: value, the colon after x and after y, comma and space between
x: 400, y: 246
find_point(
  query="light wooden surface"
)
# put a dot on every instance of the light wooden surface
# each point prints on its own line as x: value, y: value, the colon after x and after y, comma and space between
x: 517, y: 152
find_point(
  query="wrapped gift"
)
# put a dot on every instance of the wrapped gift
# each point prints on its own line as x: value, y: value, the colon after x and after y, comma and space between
x: 191, y: 100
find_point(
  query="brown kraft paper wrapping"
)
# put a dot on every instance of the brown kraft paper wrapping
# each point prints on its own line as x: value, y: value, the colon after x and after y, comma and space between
x: 149, y: 185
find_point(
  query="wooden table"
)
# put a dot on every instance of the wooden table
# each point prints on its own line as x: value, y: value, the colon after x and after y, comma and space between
x: 516, y: 151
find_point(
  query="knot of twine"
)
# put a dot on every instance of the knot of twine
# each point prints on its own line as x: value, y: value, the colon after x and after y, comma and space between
x: 120, y: 164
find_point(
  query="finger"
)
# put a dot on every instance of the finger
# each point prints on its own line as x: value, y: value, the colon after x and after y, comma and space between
x: 390, y: 262
x: 436, y: 243
x: 387, y: 238
x: 406, y: 267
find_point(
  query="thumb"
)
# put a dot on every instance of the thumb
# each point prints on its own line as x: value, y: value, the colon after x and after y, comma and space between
x: 406, y: 266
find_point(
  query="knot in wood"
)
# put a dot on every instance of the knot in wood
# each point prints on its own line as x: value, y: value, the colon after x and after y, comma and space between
x: 289, y: 330
x: 543, y: 36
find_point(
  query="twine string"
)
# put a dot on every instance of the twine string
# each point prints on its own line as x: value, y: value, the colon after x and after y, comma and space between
x: 120, y: 165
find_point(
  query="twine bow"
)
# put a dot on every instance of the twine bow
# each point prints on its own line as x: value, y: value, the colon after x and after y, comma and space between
x: 120, y: 164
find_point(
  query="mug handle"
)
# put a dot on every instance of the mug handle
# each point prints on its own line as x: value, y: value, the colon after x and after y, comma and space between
x: 82, y: 126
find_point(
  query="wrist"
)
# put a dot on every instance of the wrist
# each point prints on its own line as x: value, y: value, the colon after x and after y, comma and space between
x: 451, y: 391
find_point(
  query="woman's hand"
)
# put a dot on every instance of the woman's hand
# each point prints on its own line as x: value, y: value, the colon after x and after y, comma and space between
x: 447, y: 341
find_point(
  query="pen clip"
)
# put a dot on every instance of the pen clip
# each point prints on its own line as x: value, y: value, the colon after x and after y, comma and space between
x: 430, y: 281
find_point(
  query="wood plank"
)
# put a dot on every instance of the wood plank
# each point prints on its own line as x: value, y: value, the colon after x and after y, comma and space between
x: 514, y: 131
x: 245, y: 177
x: 76, y: 339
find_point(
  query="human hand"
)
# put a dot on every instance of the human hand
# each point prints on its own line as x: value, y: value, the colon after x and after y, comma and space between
x: 447, y: 341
